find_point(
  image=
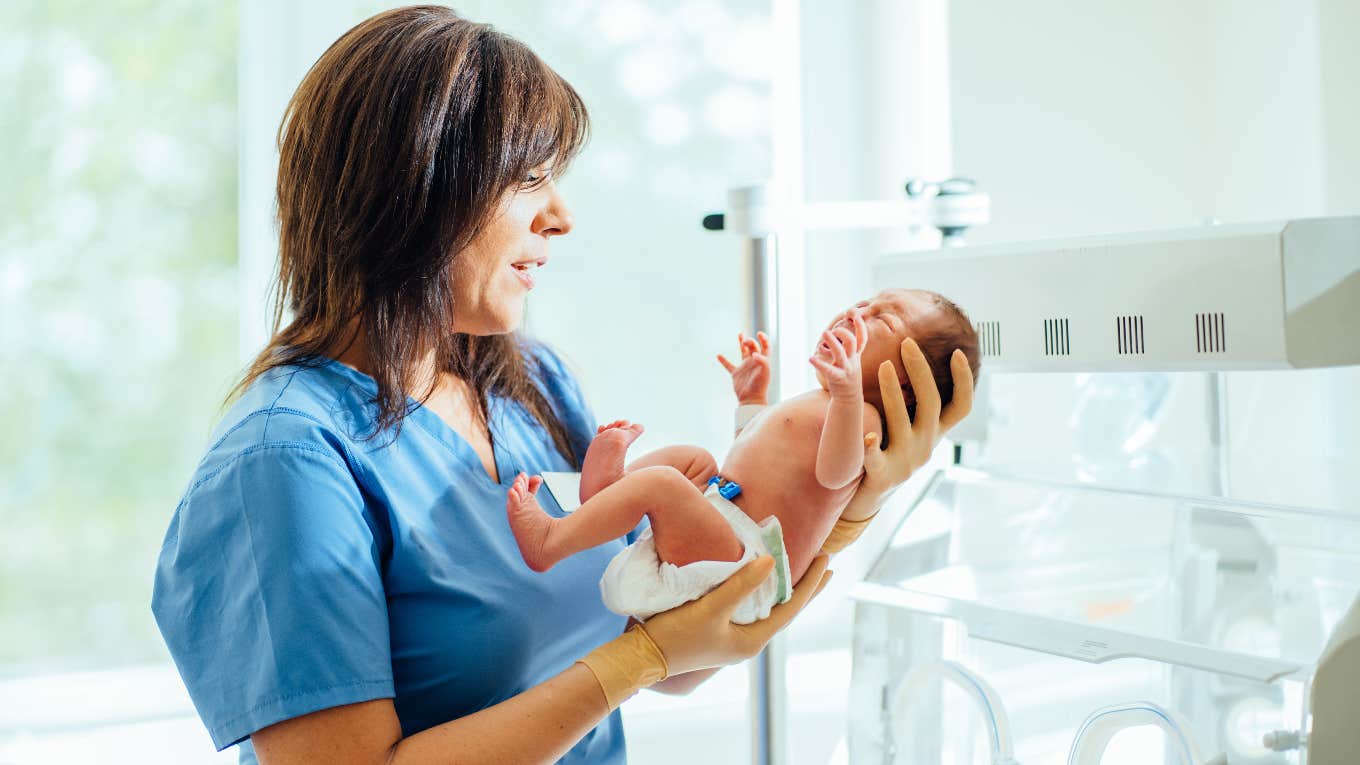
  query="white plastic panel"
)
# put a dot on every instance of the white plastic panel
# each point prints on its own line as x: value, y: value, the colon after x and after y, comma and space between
x: 1252, y: 296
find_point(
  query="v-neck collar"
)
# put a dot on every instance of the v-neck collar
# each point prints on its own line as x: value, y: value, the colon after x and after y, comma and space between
x: 436, y: 427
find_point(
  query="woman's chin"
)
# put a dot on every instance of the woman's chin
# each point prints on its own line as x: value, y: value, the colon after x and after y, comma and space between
x: 491, y: 326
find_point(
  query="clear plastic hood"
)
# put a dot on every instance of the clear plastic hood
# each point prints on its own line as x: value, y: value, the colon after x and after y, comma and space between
x: 1069, y: 598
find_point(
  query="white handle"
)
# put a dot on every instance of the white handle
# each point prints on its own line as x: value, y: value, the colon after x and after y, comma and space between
x: 1102, y: 725
x: 984, y: 697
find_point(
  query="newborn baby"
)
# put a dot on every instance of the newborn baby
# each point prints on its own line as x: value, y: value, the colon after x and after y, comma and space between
x: 788, y: 476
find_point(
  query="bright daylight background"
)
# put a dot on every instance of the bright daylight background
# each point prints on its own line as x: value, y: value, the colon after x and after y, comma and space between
x: 135, y: 248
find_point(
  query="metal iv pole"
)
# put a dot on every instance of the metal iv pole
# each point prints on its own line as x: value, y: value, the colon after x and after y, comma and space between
x: 951, y: 207
x: 747, y: 215
x: 912, y: 40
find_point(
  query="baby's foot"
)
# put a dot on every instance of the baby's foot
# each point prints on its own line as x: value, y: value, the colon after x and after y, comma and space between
x: 529, y: 523
x: 603, y: 464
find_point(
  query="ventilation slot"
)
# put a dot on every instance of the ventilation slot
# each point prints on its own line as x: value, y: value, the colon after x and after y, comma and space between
x: 1057, y: 338
x: 989, y: 337
x: 1129, y: 334
x: 1210, y: 333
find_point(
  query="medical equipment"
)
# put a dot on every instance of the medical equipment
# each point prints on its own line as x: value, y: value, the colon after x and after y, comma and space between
x: 1253, y: 296
x: 1237, y: 621
x: 1219, y: 564
x: 1104, y: 724
x: 1212, y: 610
x: 898, y: 699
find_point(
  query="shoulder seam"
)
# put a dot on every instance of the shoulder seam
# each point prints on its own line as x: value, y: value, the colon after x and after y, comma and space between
x: 285, y: 445
x: 265, y: 412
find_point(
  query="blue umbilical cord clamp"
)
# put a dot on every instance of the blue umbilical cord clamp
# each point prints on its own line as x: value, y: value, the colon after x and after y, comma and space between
x: 728, y: 490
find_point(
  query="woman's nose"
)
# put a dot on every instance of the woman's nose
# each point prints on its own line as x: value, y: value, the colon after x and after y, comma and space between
x: 556, y: 218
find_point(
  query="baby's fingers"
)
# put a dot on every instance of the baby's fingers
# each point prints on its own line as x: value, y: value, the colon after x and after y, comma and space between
x: 744, y: 344
x: 822, y: 366
x: 729, y: 366
x: 830, y: 350
x: 764, y: 343
x: 848, y: 340
x: 861, y: 329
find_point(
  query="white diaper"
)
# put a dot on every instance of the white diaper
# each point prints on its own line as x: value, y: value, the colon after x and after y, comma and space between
x: 638, y: 583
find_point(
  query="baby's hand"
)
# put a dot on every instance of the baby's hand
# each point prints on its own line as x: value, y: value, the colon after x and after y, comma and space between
x: 838, y: 358
x: 750, y: 380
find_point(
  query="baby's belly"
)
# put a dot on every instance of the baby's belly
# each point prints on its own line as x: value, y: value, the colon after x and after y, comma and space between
x: 783, y: 485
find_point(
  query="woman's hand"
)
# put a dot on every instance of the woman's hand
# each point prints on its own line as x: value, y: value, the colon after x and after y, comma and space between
x: 750, y: 379
x: 910, y: 444
x: 700, y: 634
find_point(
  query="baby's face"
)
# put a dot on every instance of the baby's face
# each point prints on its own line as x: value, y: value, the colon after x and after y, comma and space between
x: 890, y: 317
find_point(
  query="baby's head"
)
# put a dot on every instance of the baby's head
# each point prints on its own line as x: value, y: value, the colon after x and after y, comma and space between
x: 932, y: 320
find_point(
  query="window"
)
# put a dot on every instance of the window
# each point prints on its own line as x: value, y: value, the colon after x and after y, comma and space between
x: 118, y: 337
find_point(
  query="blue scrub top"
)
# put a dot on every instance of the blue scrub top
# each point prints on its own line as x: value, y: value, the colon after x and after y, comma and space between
x: 306, y: 568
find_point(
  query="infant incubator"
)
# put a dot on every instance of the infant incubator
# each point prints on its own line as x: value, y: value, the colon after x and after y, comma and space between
x: 1119, y: 598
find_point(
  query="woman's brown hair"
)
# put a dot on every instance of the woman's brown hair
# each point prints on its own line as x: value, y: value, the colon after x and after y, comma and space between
x: 396, y: 150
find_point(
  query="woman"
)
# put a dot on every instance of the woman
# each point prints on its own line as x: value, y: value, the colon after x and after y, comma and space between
x: 339, y: 583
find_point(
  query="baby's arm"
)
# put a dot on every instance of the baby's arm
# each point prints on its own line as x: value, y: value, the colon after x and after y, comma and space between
x: 750, y: 379
x: 840, y: 453
x: 840, y: 457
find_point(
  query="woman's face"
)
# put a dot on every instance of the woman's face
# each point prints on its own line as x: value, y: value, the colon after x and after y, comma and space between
x: 494, y: 274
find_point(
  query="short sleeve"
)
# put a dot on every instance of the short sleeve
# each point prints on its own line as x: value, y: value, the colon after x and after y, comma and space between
x: 269, y: 592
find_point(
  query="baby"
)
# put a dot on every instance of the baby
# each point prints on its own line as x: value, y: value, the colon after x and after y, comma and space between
x: 790, y: 472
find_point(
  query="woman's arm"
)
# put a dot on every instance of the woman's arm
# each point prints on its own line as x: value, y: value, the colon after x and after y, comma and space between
x: 558, y: 712
x: 542, y: 723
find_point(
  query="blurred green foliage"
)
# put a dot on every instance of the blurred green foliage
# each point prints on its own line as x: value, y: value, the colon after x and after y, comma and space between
x: 118, y: 318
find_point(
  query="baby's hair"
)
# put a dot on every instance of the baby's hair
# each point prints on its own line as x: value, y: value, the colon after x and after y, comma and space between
x: 950, y: 329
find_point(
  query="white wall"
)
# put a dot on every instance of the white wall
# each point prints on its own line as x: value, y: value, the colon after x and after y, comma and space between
x: 1086, y: 118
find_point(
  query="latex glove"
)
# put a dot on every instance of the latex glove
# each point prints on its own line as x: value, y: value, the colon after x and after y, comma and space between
x: 910, y: 444
x: 700, y: 634
x: 750, y: 379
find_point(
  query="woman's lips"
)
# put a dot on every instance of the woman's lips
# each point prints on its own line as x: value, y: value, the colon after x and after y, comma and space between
x: 525, y: 277
x: 524, y: 270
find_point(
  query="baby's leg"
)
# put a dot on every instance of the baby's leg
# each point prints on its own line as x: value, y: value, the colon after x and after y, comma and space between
x: 603, y: 463
x: 694, y: 461
x: 685, y: 526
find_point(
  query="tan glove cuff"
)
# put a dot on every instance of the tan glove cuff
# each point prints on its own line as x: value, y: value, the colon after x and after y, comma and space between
x: 626, y: 664
x: 843, y: 533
